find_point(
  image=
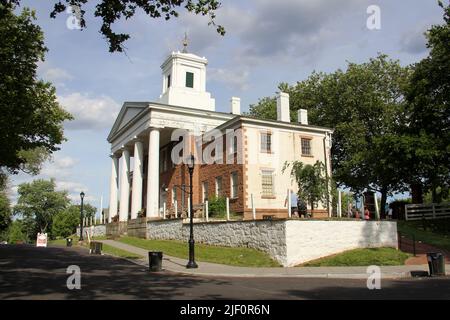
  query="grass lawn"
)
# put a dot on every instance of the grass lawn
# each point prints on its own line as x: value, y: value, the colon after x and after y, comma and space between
x: 119, y: 252
x: 362, y: 257
x: 435, y: 233
x: 244, y: 257
x: 105, y: 248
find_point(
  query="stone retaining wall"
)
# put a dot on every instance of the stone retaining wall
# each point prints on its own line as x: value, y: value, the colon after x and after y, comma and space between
x: 290, y: 242
x: 96, y: 231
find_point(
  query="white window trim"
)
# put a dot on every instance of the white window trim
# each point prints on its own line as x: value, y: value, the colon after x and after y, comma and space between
x: 272, y: 171
x: 261, y: 132
x: 234, y: 196
x: 217, y: 185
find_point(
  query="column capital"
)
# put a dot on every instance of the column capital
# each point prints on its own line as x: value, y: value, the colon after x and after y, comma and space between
x: 114, y: 155
x: 137, y: 139
x: 157, y: 127
x: 124, y: 148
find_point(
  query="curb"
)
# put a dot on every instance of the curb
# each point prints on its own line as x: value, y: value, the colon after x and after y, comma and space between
x: 393, y: 275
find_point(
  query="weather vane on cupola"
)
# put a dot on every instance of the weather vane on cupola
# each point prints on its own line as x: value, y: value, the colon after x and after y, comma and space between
x: 185, y: 43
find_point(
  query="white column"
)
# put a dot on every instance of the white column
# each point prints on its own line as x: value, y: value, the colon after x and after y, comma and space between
x: 138, y: 175
x: 124, y: 185
x: 175, y: 203
x: 339, y: 204
x: 153, y: 174
x: 228, y: 208
x: 189, y: 207
x: 289, y: 203
x: 206, y: 211
x: 113, y: 189
x: 164, y: 210
x: 377, y: 210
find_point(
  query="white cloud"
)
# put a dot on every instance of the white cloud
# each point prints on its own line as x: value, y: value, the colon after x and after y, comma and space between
x: 74, y: 189
x: 56, y: 75
x: 233, y: 78
x: 89, y: 112
x: 59, y: 167
x: 414, y: 41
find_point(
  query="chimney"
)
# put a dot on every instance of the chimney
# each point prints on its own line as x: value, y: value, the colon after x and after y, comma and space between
x: 283, y: 107
x: 303, y: 116
x: 235, y: 105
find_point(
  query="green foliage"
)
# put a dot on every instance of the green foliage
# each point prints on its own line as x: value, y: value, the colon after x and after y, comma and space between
x: 33, y: 159
x: 362, y: 257
x: 217, y: 207
x: 5, y: 211
x: 436, y: 232
x: 31, y: 118
x: 266, y: 109
x: 65, y: 222
x: 427, y: 148
x: 16, y: 234
x: 441, y: 195
x: 244, y: 257
x: 114, y: 11
x: 88, y: 210
x: 37, y: 205
x: 311, y: 180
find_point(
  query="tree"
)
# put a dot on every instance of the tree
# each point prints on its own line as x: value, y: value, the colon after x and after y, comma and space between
x: 15, y: 232
x: 65, y: 222
x: 311, y: 180
x: 364, y: 106
x: 31, y: 118
x: 38, y: 203
x: 5, y: 211
x: 427, y: 135
x: 88, y: 211
x: 111, y: 11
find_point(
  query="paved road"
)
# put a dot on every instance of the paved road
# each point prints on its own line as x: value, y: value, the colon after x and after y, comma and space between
x: 28, y: 272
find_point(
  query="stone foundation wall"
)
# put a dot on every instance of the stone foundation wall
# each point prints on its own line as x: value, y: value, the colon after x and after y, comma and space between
x: 290, y: 242
x: 116, y: 229
x: 96, y: 231
x: 137, y: 228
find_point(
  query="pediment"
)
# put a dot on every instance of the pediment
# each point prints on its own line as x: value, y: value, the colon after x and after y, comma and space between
x: 128, y: 112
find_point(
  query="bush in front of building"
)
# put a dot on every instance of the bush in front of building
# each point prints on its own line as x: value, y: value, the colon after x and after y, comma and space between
x: 217, y: 207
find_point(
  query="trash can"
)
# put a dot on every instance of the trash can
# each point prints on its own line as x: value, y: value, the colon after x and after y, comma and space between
x: 436, y: 263
x: 69, y: 242
x: 96, y: 247
x: 155, y: 260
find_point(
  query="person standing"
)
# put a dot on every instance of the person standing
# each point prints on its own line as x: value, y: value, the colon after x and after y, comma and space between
x: 349, y: 210
x: 366, y: 214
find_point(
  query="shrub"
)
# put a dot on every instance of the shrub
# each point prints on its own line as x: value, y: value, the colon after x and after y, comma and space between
x: 217, y: 207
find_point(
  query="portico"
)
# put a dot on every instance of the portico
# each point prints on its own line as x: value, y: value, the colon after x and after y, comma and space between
x: 136, y: 162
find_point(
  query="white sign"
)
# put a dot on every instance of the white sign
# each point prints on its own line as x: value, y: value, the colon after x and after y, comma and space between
x: 41, y: 240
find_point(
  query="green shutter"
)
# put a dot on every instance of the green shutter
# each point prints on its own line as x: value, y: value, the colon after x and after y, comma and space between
x: 189, y: 80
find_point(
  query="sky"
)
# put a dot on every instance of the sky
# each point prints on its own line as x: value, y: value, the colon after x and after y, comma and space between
x: 266, y: 42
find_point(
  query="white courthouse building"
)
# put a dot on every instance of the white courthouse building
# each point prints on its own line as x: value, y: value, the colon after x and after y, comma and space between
x: 145, y: 180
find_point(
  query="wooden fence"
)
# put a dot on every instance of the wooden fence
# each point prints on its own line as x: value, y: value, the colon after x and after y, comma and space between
x: 427, y: 211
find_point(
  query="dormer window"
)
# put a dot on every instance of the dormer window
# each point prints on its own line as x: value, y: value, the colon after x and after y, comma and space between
x: 189, y: 80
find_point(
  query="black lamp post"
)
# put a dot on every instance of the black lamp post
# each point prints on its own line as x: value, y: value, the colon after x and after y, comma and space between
x: 191, y: 264
x: 81, y: 216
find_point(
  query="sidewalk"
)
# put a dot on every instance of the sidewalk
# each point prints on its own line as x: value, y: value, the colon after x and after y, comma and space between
x: 211, y: 269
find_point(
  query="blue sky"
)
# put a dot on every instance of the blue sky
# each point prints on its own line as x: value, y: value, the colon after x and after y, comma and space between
x: 267, y: 42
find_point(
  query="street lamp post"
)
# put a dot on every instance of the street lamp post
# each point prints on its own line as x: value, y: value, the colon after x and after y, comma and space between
x: 81, y: 216
x: 191, y: 264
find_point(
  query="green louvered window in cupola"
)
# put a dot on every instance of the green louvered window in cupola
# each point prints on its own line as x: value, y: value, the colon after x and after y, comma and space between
x: 189, y: 80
